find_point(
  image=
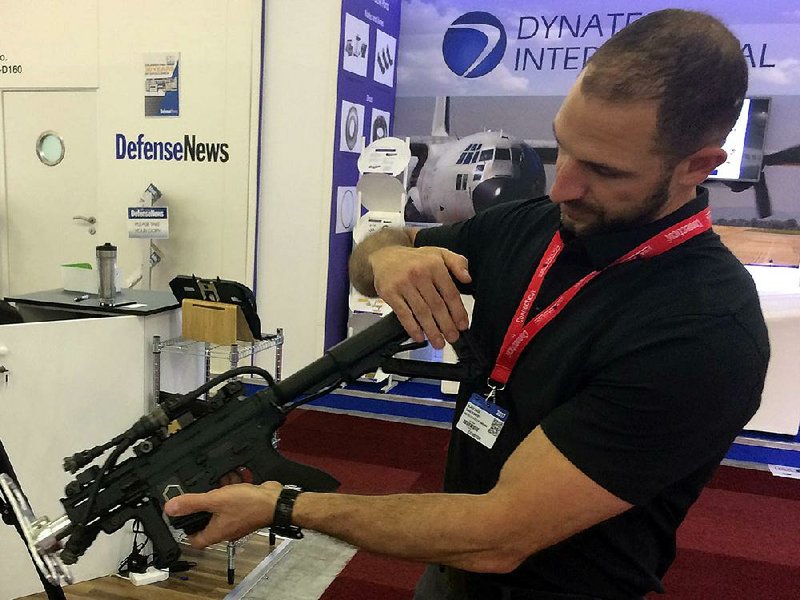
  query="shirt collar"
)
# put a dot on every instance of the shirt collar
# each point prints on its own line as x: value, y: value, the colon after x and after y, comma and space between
x: 604, y: 248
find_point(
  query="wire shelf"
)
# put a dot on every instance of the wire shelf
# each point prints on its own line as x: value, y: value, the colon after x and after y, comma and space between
x: 208, y: 349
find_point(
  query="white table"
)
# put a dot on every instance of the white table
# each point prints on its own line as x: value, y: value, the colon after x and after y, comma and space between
x: 779, y: 291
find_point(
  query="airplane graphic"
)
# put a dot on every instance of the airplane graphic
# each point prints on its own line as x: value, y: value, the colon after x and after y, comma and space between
x: 454, y: 177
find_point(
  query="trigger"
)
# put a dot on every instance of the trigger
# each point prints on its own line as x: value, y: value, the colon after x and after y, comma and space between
x: 245, y: 473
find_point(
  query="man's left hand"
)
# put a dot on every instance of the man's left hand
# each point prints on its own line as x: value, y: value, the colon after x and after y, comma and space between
x: 237, y: 510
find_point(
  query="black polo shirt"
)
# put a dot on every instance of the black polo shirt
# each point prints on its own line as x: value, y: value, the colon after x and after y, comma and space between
x: 643, y: 380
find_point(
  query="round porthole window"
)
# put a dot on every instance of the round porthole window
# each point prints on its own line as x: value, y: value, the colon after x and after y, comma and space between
x: 50, y: 148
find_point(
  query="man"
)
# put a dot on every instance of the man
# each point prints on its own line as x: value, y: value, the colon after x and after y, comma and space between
x: 630, y: 347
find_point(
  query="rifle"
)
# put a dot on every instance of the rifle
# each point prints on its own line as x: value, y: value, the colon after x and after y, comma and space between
x: 227, y: 431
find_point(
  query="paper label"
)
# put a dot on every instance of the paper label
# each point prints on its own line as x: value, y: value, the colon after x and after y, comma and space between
x: 148, y: 222
x: 482, y: 420
x: 782, y: 471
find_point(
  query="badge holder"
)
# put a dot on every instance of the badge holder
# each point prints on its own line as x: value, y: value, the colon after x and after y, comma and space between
x: 483, y: 419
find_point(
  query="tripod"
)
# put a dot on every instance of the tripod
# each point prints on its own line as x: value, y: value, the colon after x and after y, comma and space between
x: 54, y: 592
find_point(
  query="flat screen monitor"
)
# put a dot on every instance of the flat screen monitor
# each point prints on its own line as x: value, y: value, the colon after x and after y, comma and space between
x: 745, y: 143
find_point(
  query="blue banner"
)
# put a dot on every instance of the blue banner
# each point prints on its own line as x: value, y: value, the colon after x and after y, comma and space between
x: 537, y: 48
x: 365, y: 112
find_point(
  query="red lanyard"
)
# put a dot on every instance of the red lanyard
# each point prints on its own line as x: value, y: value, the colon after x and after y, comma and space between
x: 519, y: 335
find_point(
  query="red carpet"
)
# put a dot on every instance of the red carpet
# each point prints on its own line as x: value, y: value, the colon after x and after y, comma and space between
x: 369, y: 457
x: 741, y: 539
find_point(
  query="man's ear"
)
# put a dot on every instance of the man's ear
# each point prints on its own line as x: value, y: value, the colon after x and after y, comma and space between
x: 695, y: 169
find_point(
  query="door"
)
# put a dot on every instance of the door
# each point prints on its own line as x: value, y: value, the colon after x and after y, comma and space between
x: 71, y: 385
x: 44, y: 201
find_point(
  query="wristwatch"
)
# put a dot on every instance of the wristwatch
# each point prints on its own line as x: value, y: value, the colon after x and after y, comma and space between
x: 282, y: 518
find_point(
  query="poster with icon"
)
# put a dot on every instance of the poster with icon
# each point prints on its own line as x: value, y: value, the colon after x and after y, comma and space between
x: 161, y: 84
x: 351, y: 127
x: 385, y: 58
x: 355, y: 49
x: 365, y: 112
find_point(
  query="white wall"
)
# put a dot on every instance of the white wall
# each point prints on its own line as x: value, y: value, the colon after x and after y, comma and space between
x: 210, y: 203
x: 101, y: 45
x: 300, y: 74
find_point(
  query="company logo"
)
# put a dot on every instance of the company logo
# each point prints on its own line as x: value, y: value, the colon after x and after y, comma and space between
x: 683, y: 230
x: 190, y: 149
x: 147, y: 213
x: 474, y: 44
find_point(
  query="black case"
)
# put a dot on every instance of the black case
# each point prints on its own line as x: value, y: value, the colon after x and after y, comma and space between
x: 219, y: 290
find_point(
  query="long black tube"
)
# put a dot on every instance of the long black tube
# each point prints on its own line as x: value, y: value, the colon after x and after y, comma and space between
x: 348, y: 359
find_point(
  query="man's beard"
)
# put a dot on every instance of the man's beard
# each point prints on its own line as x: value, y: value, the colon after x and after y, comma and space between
x: 602, y: 223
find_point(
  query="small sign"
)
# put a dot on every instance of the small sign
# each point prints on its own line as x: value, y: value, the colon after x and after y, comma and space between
x: 782, y: 471
x: 388, y: 155
x: 148, y: 222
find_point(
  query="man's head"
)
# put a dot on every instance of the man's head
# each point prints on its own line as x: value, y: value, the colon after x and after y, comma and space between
x: 645, y: 121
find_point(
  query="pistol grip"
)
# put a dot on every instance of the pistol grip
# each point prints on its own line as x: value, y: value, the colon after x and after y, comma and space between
x: 165, y: 549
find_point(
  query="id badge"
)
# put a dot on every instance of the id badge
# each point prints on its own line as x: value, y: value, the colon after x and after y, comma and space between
x: 482, y: 420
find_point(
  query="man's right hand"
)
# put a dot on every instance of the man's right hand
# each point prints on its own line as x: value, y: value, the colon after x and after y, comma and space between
x: 418, y: 284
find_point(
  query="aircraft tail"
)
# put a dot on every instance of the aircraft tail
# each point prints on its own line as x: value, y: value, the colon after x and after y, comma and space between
x: 441, y: 117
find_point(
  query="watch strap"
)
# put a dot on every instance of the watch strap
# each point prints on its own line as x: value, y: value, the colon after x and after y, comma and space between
x: 282, y: 518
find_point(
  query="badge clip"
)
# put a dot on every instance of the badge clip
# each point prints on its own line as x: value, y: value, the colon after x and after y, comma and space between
x: 494, y: 387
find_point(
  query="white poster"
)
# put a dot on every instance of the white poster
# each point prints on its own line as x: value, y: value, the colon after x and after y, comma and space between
x: 351, y: 127
x: 356, y: 45
x: 385, y: 58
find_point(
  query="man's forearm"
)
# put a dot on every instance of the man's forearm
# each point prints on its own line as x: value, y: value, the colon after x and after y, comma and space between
x: 361, y: 275
x: 459, y: 530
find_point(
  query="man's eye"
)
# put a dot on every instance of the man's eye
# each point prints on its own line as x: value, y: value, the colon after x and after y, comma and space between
x: 604, y: 171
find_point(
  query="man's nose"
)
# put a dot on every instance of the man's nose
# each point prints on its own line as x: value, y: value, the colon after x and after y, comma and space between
x: 570, y: 183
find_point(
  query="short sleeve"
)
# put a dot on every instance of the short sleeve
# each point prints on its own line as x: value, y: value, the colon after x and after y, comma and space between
x: 483, y: 239
x: 454, y: 237
x: 663, y: 407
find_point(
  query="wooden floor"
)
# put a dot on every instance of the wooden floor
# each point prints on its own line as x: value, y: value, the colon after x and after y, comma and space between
x: 207, y: 580
x: 761, y: 247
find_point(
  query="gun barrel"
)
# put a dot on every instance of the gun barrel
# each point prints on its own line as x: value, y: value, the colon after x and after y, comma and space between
x: 349, y: 358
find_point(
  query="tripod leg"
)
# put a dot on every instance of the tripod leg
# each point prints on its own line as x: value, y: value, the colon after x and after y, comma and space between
x: 231, y: 561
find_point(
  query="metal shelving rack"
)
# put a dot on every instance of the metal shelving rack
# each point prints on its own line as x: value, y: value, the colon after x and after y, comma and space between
x: 233, y: 354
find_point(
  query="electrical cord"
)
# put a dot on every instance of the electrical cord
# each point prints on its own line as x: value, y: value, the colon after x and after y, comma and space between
x: 135, y: 562
x: 195, y: 394
x: 312, y: 397
x: 107, y: 466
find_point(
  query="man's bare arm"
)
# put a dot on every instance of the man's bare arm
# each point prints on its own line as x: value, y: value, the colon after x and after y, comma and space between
x: 416, y: 282
x: 540, y: 499
x: 361, y: 275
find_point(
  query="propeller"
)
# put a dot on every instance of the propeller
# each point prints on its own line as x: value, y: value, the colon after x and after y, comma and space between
x: 786, y: 157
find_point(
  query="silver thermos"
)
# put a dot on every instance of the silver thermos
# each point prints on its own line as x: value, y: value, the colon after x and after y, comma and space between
x: 106, y: 268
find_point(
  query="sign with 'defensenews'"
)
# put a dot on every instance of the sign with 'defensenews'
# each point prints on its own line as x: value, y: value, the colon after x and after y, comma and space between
x: 148, y: 222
